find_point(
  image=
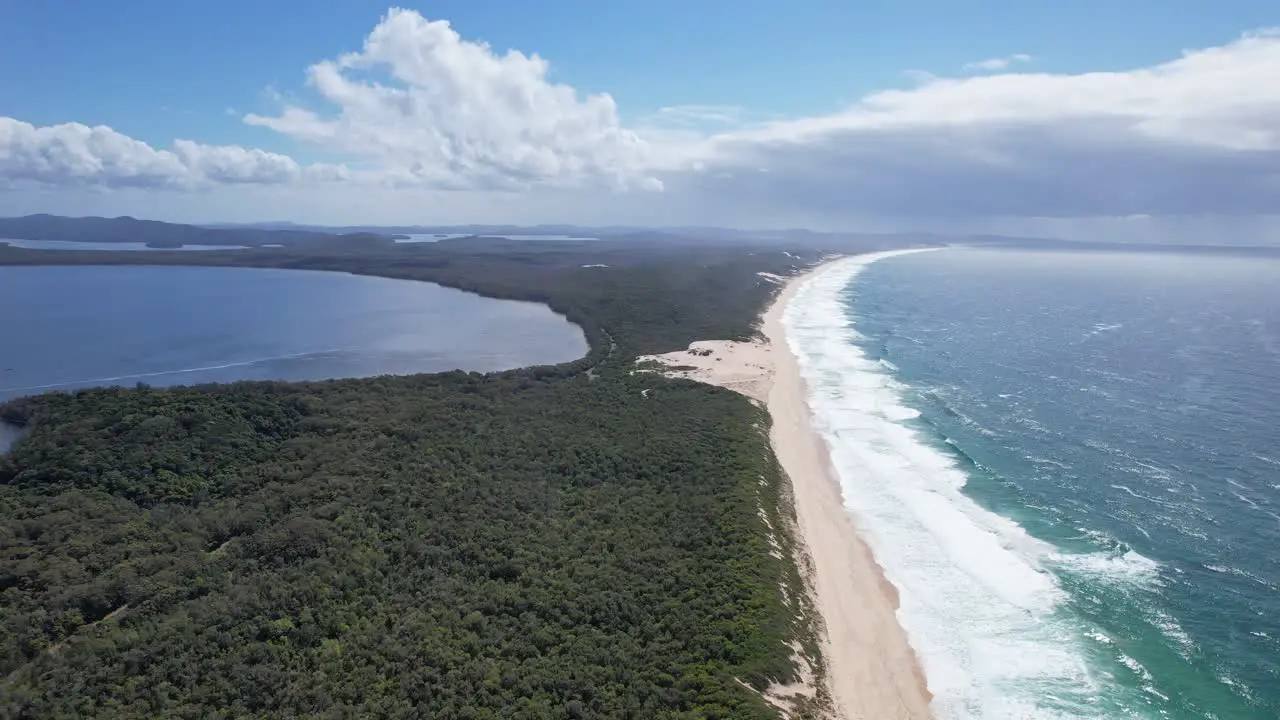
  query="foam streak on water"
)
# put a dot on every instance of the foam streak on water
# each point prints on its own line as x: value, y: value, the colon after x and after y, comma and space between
x: 978, y: 601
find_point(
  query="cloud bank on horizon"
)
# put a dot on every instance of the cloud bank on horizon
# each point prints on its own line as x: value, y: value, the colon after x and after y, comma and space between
x: 421, y: 111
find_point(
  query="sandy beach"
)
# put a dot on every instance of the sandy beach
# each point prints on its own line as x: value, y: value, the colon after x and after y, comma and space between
x: 872, y: 672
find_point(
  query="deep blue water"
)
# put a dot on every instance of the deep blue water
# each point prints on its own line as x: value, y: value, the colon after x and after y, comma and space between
x: 1122, y: 410
x: 68, y: 327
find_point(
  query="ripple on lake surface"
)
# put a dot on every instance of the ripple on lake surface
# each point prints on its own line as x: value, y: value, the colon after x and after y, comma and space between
x: 69, y: 327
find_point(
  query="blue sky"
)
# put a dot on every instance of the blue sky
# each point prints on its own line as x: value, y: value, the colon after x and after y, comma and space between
x: 159, y: 72
x: 164, y: 69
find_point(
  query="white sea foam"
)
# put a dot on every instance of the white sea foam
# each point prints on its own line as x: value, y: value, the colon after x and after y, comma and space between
x: 1228, y: 570
x: 1101, y: 328
x: 1127, y: 566
x: 1100, y: 638
x: 978, y: 599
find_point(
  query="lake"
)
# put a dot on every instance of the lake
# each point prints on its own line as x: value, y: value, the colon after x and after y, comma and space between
x: 70, y: 327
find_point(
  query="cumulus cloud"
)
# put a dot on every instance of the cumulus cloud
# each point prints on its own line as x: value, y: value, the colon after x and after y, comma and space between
x: 72, y: 154
x: 421, y: 110
x: 999, y: 63
x: 433, y: 108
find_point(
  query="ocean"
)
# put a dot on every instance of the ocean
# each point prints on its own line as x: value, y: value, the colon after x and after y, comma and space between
x: 68, y: 327
x: 1068, y: 463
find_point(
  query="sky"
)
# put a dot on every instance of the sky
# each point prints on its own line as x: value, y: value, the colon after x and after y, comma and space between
x: 1139, y: 120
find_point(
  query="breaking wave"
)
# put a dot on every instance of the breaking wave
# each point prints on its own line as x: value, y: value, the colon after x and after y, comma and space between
x: 980, y: 598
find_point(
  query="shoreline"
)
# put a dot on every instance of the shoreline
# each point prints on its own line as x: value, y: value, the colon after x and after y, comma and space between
x: 871, y: 671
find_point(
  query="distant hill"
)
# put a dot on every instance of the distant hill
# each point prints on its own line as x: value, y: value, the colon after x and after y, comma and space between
x: 676, y: 234
x: 162, y: 234
x: 464, y: 230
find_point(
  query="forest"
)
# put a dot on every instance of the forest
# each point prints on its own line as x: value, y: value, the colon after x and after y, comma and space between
x: 574, y: 541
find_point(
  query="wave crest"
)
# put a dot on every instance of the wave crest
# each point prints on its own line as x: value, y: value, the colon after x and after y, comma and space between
x: 978, y: 596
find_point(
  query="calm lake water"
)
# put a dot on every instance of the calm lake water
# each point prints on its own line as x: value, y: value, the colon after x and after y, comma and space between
x: 68, y: 327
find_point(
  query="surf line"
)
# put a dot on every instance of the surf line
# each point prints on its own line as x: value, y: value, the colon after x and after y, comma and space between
x: 978, y: 599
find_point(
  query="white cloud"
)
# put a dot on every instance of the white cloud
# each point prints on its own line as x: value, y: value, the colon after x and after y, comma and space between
x: 232, y: 164
x: 421, y: 111
x: 1222, y: 96
x: 436, y: 109
x: 1200, y: 134
x: 72, y: 154
x: 999, y: 63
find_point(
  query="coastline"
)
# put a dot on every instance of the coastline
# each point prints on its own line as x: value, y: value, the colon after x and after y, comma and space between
x: 870, y: 669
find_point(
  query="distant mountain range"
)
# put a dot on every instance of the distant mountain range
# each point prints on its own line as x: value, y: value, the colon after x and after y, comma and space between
x: 560, y: 230
x: 494, y: 230
x: 348, y: 237
x: 162, y: 234
x: 682, y: 233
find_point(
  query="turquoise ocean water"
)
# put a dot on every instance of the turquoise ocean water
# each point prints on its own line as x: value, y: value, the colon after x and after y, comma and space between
x: 1069, y: 465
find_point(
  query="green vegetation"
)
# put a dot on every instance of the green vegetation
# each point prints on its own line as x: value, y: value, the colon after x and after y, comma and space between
x: 541, y: 543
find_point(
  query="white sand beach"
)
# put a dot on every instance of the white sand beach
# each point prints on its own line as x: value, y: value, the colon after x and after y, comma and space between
x: 872, y: 672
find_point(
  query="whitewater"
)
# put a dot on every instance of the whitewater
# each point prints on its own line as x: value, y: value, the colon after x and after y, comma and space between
x: 980, y: 600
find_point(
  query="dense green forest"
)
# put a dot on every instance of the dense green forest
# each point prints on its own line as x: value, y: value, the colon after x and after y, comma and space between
x: 542, y: 543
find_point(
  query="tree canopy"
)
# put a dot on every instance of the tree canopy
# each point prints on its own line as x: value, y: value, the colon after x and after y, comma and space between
x: 576, y: 541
